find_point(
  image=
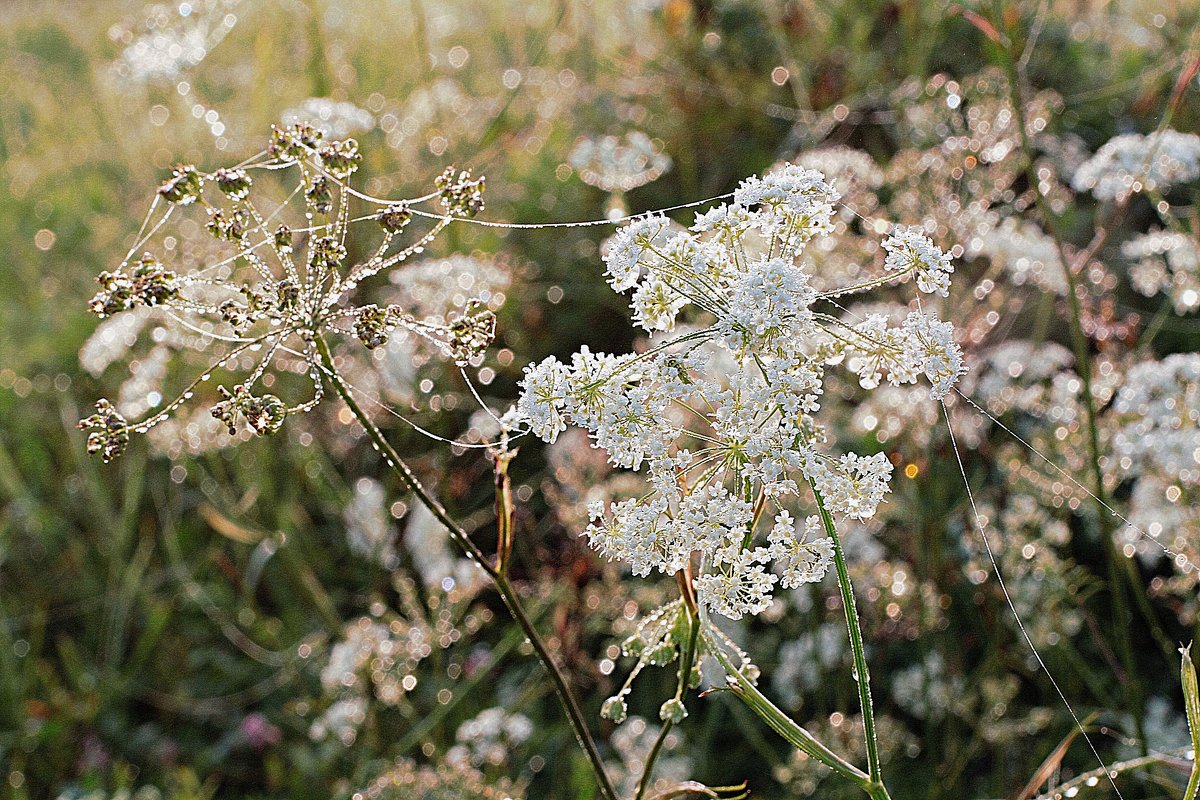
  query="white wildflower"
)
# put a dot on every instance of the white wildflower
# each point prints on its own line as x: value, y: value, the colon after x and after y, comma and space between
x: 630, y: 246
x: 930, y: 347
x: 909, y: 250
x: 544, y: 397
x: 799, y: 558
x: 1133, y: 161
x: 720, y: 418
x: 619, y: 164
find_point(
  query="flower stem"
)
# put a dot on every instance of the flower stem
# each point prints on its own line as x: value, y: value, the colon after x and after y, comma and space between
x: 861, y: 674
x: 507, y: 591
x: 687, y: 660
x: 1083, y: 367
x: 745, y: 690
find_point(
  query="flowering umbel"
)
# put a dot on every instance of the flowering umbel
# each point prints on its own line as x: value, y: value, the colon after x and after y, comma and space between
x: 274, y: 289
x: 723, y: 417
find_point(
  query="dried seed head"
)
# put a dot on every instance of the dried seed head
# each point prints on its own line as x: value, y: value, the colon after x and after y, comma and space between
x: 372, y: 325
x: 471, y: 333
x: 264, y: 414
x: 327, y: 253
x: 672, y: 711
x: 294, y: 142
x: 395, y: 217
x: 615, y: 709
x: 108, y: 432
x: 300, y: 290
x: 233, y: 182
x: 320, y: 195
x: 228, y: 225
x: 341, y: 158
x: 149, y: 285
x: 287, y: 295
x: 184, y: 185
x: 283, y: 239
x: 461, y: 195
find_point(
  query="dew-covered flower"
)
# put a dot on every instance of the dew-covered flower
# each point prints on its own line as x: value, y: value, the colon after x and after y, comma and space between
x: 910, y: 250
x: 1160, y: 404
x: 489, y: 738
x: 1166, y: 261
x: 262, y: 295
x: 407, y: 780
x: 722, y: 417
x: 171, y: 38
x: 369, y: 531
x: 1026, y: 252
x: 800, y: 556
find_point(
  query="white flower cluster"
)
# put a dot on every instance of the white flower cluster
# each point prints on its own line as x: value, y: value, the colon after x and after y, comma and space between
x: 1160, y: 402
x: 1026, y: 252
x: 335, y: 118
x: 925, y: 691
x: 427, y: 541
x: 171, y: 39
x: 721, y: 417
x: 1156, y: 161
x: 340, y: 721
x: 1166, y: 261
x: 909, y: 250
x: 619, y: 164
x: 632, y: 744
x: 805, y: 662
x: 369, y: 532
x: 376, y: 657
x: 1031, y: 377
x: 488, y: 738
x: 852, y: 167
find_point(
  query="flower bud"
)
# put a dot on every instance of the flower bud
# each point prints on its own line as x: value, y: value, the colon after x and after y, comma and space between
x: 614, y: 709
x: 672, y: 711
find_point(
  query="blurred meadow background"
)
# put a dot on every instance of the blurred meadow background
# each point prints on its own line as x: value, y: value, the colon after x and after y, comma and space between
x: 276, y: 618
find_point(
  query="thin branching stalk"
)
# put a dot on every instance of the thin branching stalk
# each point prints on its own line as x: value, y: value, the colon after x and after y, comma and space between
x: 687, y: 661
x: 505, y: 587
x: 504, y: 509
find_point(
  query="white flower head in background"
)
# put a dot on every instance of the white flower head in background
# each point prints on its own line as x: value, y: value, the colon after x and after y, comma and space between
x: 1134, y: 162
x: 1167, y: 261
x: 619, y: 164
x: 171, y: 39
x: 369, y: 531
x: 337, y: 119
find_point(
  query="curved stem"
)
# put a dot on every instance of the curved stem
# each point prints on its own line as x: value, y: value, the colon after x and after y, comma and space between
x: 862, y: 676
x: 795, y: 735
x: 506, y: 589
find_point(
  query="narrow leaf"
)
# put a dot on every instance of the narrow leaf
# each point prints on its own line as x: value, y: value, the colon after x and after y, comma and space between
x: 1191, y: 701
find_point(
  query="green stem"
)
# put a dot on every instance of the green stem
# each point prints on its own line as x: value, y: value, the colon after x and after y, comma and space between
x: 862, y: 675
x: 503, y: 585
x: 785, y: 726
x: 1083, y: 366
x: 687, y: 660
